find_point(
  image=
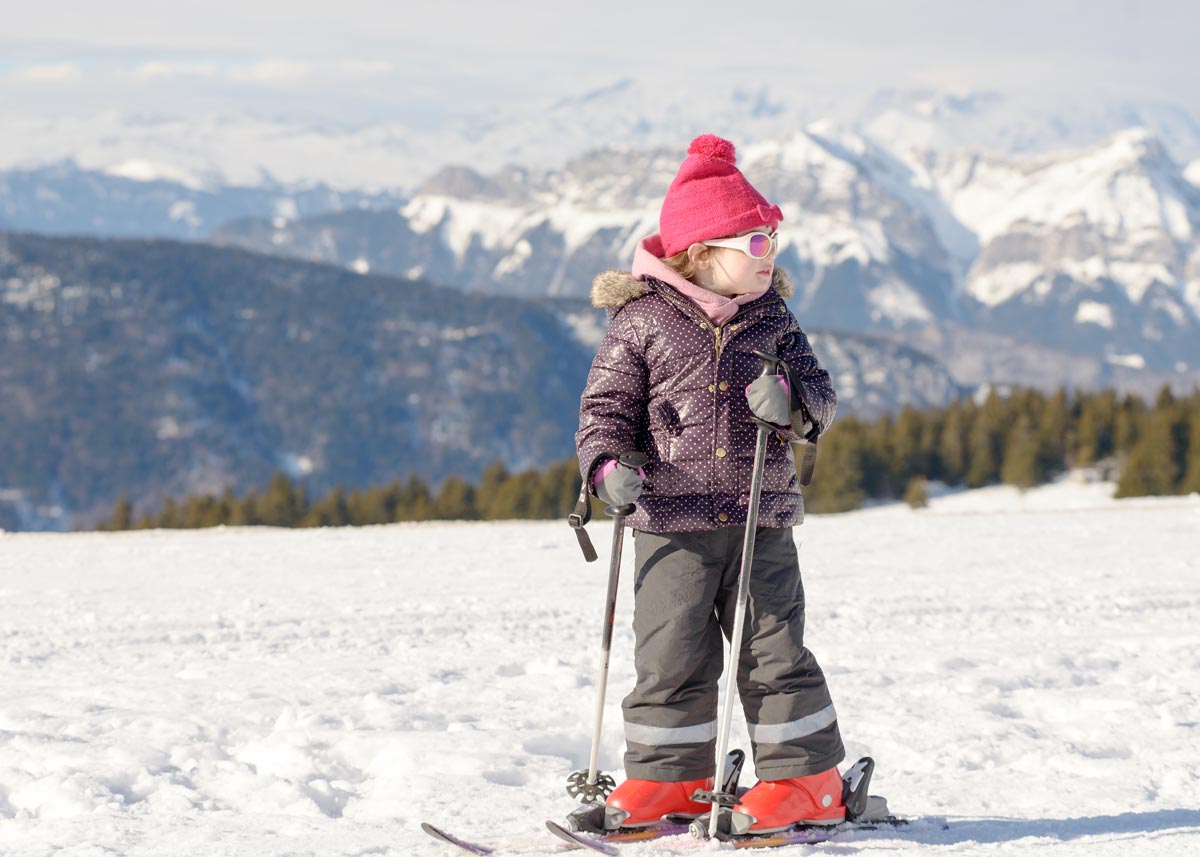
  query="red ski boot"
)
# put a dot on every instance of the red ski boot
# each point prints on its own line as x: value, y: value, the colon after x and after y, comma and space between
x: 776, y: 805
x: 637, y: 803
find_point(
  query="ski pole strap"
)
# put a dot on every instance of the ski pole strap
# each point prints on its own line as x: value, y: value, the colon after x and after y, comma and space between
x: 805, y: 454
x: 806, y: 460
x: 578, y: 520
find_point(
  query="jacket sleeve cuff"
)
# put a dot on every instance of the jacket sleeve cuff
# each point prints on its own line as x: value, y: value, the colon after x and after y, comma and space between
x: 591, y: 471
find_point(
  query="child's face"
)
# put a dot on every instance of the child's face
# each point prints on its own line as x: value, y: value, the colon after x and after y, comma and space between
x: 731, y: 272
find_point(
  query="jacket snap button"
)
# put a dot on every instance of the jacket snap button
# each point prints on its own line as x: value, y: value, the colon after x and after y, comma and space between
x: 722, y: 517
x: 711, y: 388
x: 724, y: 385
x: 720, y: 452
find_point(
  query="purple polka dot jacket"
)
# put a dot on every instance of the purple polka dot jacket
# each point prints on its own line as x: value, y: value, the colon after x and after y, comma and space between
x: 669, y: 383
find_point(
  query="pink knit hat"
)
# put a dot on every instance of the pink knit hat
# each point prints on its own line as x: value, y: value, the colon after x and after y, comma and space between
x: 710, y: 198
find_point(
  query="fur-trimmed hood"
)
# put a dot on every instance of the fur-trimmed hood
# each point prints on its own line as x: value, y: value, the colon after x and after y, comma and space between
x: 614, y: 288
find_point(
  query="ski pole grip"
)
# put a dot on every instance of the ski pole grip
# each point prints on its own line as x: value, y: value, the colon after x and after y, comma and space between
x: 770, y: 363
x: 634, y: 460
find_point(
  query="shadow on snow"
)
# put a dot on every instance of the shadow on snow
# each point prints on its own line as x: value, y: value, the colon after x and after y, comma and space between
x: 1011, y: 829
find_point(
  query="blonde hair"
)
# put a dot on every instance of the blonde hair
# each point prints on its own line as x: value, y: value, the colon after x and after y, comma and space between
x: 682, y: 264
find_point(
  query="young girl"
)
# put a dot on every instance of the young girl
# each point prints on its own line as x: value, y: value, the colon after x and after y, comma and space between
x: 676, y: 378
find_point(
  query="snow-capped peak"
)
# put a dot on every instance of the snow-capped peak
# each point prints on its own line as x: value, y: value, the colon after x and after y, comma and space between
x: 143, y: 170
x: 1129, y: 184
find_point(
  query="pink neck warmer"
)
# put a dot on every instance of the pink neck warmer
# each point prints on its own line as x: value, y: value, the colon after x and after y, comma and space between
x: 648, y: 262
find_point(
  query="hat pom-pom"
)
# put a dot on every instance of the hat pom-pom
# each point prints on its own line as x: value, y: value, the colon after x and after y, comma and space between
x: 714, y: 147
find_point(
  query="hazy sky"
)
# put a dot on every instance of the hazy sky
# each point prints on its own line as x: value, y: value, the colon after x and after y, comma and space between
x: 358, y: 60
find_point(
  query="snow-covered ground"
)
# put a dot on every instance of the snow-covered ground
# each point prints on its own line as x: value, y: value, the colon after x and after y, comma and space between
x: 1024, y: 667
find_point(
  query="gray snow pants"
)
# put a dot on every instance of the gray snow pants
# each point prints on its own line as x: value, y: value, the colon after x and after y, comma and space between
x: 685, y: 597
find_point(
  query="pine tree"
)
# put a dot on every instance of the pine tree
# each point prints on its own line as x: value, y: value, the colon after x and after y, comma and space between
x: 1178, y: 417
x: 874, y: 457
x: 931, y: 441
x: 281, y: 504
x: 392, y: 496
x: 122, y: 516
x: 1055, y: 435
x: 227, y: 507
x: 837, y: 484
x: 985, y: 448
x: 1153, y: 466
x: 1095, y: 431
x: 200, y: 513
x: 168, y: 516
x: 331, y: 511
x: 915, y: 495
x: 953, y: 445
x: 489, y: 487
x: 1129, y: 423
x: 560, y: 486
x: 455, y: 501
x: 517, y: 497
x: 1191, y: 476
x: 414, y: 502
x: 907, y: 451
x: 369, y: 507
x: 1023, y: 460
x: 245, y: 512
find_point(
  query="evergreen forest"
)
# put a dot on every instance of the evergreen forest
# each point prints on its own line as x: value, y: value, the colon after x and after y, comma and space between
x: 1024, y: 438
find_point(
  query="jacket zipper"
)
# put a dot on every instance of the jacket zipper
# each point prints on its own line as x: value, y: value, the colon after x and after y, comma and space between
x: 718, y: 332
x: 732, y: 329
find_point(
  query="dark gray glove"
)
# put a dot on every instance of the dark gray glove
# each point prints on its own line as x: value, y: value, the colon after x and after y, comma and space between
x: 770, y: 400
x: 617, y: 483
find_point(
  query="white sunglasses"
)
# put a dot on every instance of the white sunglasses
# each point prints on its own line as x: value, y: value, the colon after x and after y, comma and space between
x: 756, y: 245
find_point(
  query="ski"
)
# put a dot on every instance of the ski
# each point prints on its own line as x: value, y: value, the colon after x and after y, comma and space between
x: 525, y: 844
x: 609, y: 842
x: 450, y: 839
x: 605, y: 842
x: 567, y: 840
x: 812, y: 834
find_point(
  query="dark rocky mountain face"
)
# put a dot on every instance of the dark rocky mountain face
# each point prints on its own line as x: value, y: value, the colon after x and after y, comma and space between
x: 153, y: 368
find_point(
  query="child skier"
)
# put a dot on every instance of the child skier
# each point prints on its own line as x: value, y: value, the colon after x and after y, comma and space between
x: 676, y: 378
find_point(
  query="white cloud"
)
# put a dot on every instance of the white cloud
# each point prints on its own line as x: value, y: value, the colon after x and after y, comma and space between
x: 363, y: 68
x: 281, y: 72
x: 274, y: 71
x: 164, y: 70
x: 66, y: 72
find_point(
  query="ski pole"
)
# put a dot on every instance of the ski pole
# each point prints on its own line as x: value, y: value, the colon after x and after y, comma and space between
x: 598, y: 785
x: 770, y: 366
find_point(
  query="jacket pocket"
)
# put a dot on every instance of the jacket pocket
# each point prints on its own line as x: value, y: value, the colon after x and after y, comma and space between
x: 666, y: 427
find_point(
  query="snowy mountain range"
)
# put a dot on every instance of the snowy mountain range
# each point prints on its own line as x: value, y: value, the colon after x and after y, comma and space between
x: 894, y: 223
x: 139, y: 199
x: 209, y: 150
x: 1093, y: 251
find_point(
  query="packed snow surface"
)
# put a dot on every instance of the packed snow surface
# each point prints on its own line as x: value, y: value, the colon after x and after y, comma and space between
x: 1024, y: 669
